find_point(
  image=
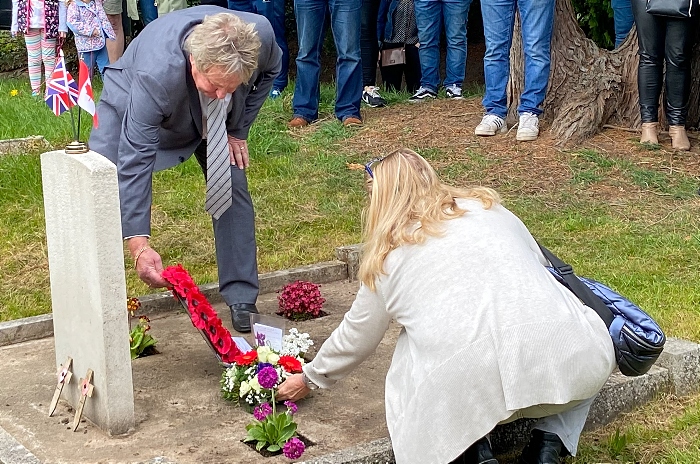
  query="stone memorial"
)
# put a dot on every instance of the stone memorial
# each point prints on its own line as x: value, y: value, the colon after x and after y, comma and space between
x: 88, y: 287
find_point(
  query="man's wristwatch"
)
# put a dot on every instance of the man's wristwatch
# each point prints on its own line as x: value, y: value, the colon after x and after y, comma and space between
x: 309, y: 384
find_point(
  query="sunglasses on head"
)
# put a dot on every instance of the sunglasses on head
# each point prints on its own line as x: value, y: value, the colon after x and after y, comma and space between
x: 368, y: 166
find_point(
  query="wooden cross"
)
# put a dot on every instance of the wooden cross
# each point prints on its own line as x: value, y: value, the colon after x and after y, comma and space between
x: 64, y: 375
x: 86, y: 389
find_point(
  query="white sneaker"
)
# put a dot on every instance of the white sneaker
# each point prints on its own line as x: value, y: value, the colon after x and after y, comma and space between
x: 490, y: 124
x: 528, y: 127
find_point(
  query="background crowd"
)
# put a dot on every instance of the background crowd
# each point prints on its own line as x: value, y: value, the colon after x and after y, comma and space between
x: 401, y: 38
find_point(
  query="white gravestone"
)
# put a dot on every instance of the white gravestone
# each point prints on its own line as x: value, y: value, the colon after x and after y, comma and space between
x: 88, y: 287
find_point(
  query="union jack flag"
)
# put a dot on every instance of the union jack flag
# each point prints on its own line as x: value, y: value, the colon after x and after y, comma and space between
x: 61, y: 89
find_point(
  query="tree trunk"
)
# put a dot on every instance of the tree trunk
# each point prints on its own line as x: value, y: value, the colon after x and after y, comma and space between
x: 588, y: 86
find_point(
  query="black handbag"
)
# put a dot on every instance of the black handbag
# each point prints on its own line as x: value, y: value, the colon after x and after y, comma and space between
x: 637, y: 338
x: 682, y: 9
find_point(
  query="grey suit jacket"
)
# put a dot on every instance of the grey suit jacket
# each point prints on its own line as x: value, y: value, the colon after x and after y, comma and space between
x: 150, y: 116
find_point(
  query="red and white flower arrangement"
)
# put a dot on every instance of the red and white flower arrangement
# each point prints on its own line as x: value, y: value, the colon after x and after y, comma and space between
x: 202, y: 314
x: 241, y: 382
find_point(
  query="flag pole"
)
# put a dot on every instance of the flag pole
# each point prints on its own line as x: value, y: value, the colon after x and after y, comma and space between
x: 76, y: 147
x: 72, y: 123
x: 80, y: 58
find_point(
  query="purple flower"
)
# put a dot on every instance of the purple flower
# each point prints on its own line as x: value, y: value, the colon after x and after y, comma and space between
x: 294, y: 448
x: 267, y: 377
x: 291, y: 406
x: 261, y: 411
x: 260, y: 366
x: 260, y: 339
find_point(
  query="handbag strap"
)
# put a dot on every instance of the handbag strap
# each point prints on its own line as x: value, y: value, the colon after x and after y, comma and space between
x: 578, y: 288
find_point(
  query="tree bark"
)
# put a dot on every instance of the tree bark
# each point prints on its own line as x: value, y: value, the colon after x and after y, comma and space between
x: 588, y: 86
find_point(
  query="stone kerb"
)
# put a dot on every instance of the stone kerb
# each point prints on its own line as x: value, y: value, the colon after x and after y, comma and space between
x: 88, y: 286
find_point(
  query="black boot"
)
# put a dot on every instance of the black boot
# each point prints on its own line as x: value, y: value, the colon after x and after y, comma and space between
x: 240, y: 316
x: 479, y: 453
x: 543, y: 448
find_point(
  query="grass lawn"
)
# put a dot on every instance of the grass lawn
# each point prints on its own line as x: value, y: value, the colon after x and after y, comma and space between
x: 620, y: 212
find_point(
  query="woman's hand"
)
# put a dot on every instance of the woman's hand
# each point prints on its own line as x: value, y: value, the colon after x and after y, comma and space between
x: 292, y: 389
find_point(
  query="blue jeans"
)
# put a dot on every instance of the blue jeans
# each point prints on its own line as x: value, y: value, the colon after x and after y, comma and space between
x: 345, y: 24
x: 623, y: 18
x: 430, y: 17
x: 537, y: 17
x: 97, y: 57
x: 148, y: 11
x: 273, y: 10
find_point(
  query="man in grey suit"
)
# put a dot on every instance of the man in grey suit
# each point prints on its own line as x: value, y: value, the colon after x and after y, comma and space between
x: 193, y: 81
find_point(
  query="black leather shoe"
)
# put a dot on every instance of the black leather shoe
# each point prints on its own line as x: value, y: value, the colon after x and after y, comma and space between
x: 240, y: 316
x: 543, y: 448
x: 479, y: 453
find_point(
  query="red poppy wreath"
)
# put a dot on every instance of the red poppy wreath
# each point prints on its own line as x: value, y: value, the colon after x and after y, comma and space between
x: 201, y: 313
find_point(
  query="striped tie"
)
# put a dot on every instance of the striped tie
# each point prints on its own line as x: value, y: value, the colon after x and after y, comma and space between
x: 218, y: 160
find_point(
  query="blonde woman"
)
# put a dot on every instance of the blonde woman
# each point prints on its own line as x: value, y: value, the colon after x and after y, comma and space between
x: 488, y: 335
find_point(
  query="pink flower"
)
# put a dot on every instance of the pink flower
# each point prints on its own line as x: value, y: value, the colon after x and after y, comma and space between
x: 300, y: 298
x: 261, y: 411
x: 294, y: 448
x: 292, y: 406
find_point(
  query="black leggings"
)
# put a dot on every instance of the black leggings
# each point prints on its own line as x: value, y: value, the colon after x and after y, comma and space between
x: 393, y: 75
x: 369, y: 45
x: 670, y: 39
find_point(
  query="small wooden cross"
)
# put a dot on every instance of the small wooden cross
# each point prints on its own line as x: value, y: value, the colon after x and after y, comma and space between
x: 86, y: 389
x: 64, y: 375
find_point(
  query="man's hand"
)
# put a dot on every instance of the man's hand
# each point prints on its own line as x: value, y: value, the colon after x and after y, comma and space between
x: 148, y: 264
x: 238, y: 149
x: 292, y: 389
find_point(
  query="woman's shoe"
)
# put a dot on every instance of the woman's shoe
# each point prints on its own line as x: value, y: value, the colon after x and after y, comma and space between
x: 478, y: 453
x: 679, y: 138
x: 650, y: 133
x: 543, y: 448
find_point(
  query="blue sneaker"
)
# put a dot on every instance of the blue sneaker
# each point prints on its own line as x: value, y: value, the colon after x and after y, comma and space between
x: 275, y: 93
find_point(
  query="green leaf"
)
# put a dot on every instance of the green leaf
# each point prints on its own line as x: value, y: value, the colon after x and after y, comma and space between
x: 260, y: 445
x: 273, y: 448
x: 287, y: 432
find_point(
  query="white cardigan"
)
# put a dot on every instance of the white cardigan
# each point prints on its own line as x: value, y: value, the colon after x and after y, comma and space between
x: 486, y: 331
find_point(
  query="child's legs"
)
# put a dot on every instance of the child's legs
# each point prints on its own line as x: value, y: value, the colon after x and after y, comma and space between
x: 33, y: 40
x: 102, y: 59
x: 89, y: 58
x: 48, y: 53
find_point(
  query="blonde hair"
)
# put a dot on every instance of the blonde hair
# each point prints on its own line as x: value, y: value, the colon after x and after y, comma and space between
x: 408, y: 203
x: 227, y: 42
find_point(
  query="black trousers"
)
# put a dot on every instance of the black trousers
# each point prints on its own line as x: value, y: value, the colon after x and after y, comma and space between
x: 670, y: 40
x: 369, y: 45
x: 393, y: 75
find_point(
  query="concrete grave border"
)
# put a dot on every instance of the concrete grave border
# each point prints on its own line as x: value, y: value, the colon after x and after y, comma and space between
x: 23, y: 145
x: 677, y: 371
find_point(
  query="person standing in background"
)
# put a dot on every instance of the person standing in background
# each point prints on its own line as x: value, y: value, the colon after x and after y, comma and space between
x: 431, y: 17
x: 670, y: 40
x: 537, y: 21
x: 41, y: 22
x: 115, y: 48
x: 91, y: 29
x: 345, y: 25
x: 369, y: 49
x: 274, y: 11
x: 397, y: 29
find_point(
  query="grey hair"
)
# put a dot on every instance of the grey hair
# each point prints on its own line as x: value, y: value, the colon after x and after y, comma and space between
x: 227, y: 42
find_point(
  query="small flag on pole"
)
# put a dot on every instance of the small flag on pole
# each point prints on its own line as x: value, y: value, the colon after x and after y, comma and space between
x: 85, y: 98
x: 61, y: 89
